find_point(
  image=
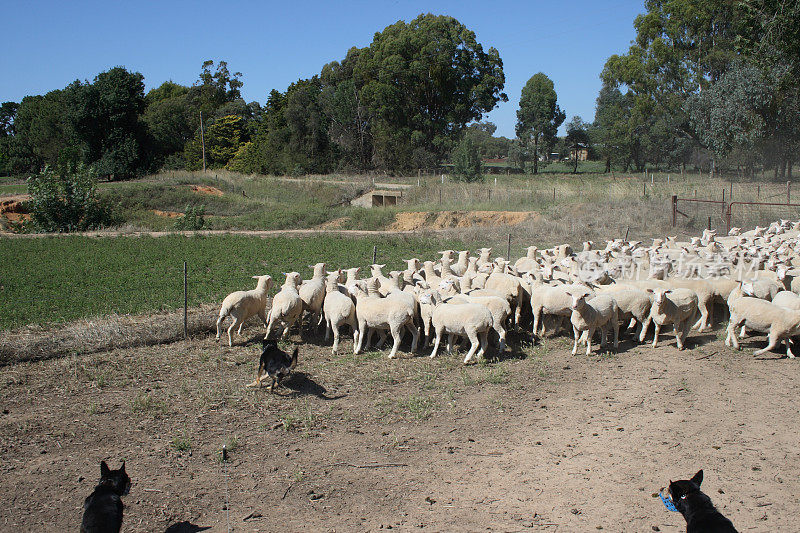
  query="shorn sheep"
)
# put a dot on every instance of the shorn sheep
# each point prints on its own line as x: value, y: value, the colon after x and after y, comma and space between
x: 376, y: 312
x: 598, y: 313
x: 287, y: 307
x: 672, y: 306
x: 312, y: 293
x: 339, y: 310
x: 469, y: 320
x: 760, y: 315
x: 241, y: 305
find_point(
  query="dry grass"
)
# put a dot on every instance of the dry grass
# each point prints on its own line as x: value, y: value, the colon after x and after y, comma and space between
x: 102, y: 334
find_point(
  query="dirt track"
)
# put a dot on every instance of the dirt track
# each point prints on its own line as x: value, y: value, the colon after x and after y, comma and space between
x: 540, y: 441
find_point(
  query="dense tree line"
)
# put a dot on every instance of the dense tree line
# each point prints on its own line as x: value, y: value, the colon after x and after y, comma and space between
x: 402, y: 102
x: 706, y: 82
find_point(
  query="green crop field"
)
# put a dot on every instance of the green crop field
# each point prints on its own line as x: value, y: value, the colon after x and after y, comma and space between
x: 57, y: 279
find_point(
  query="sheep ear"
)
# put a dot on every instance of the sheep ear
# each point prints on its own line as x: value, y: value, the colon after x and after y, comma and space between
x: 255, y: 277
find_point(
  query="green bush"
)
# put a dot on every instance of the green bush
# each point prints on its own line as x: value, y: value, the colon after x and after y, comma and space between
x: 467, y: 164
x: 66, y: 200
x: 193, y: 219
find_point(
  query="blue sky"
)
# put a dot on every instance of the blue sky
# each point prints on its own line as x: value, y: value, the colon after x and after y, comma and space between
x: 48, y: 44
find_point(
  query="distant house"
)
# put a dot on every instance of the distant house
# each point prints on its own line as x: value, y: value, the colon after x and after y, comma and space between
x: 583, y: 153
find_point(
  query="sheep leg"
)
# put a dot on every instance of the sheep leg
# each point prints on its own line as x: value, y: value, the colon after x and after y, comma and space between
x: 414, y: 336
x: 603, y: 337
x: 774, y: 340
x: 356, y: 336
x: 744, y: 332
x: 789, y: 353
x: 537, y: 314
x: 263, y: 316
x: 484, y: 337
x: 501, y: 334
x: 474, y: 343
x: 656, y: 331
x: 615, y: 326
x: 732, y: 325
x: 219, y: 321
x: 363, y: 332
x: 450, y: 338
x: 638, y: 330
x: 335, y: 338
x: 235, y: 323
x: 678, y: 329
x: 577, y: 336
x: 589, y: 335
x: 397, y: 337
x: 436, y: 343
x: 685, y: 333
x: 702, y: 322
x: 270, y: 324
x: 645, y: 327
x: 381, y: 339
x: 327, y: 328
x: 632, y: 323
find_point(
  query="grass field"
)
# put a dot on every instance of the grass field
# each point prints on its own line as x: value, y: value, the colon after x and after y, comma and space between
x: 60, y: 279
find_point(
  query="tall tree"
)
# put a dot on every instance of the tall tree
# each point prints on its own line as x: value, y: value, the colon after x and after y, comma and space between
x: 611, y: 121
x: 577, y: 138
x: 423, y: 82
x: 539, y: 116
x: 106, y: 115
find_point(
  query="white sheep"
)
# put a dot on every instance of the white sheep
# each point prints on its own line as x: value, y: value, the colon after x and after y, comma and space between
x: 634, y: 305
x: 508, y: 285
x: 671, y: 306
x: 467, y: 320
x: 372, y: 311
x: 312, y: 293
x: 241, y: 305
x: 497, y: 305
x: 759, y: 315
x: 287, y: 306
x: 339, y: 310
x: 596, y: 313
x: 788, y: 300
x: 553, y: 300
x: 460, y: 267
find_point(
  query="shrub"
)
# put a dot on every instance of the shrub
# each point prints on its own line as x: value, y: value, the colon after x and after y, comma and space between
x: 467, y: 165
x: 193, y: 219
x: 67, y: 200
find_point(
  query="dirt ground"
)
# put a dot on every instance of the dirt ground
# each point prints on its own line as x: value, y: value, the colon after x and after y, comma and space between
x: 411, y: 221
x: 537, y: 441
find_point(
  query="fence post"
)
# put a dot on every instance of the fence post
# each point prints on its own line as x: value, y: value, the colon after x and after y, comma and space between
x: 554, y: 194
x: 374, y: 254
x: 728, y: 220
x: 185, y: 303
x: 508, y: 249
x: 709, y: 223
x: 674, y: 210
x: 731, y: 194
x: 723, y: 196
x: 758, y: 192
x: 788, y: 192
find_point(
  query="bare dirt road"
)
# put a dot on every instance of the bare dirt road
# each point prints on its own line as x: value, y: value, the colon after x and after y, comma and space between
x: 538, y: 441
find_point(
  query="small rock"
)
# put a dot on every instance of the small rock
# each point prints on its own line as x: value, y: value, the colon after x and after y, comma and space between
x: 656, y: 528
x: 80, y: 478
x: 470, y: 440
x: 620, y: 429
x: 754, y: 469
x: 721, y: 491
x: 595, y: 434
x: 6, y: 411
x: 575, y: 511
x: 668, y: 411
x: 430, y: 500
x: 566, y: 368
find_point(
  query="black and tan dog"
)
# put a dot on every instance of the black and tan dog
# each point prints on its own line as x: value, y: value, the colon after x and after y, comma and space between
x: 696, y: 507
x: 275, y: 364
x: 103, y: 507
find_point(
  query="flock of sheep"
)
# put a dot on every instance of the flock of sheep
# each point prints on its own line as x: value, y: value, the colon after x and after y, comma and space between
x: 668, y: 283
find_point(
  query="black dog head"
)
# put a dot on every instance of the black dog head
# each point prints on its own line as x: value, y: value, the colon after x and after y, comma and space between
x: 117, y: 480
x: 680, y: 489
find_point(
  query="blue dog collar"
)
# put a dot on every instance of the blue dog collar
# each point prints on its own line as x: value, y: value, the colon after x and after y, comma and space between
x: 667, y: 502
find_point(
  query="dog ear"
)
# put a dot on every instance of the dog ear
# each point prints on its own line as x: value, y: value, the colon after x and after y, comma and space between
x: 698, y: 478
x: 104, y: 470
x: 122, y: 468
